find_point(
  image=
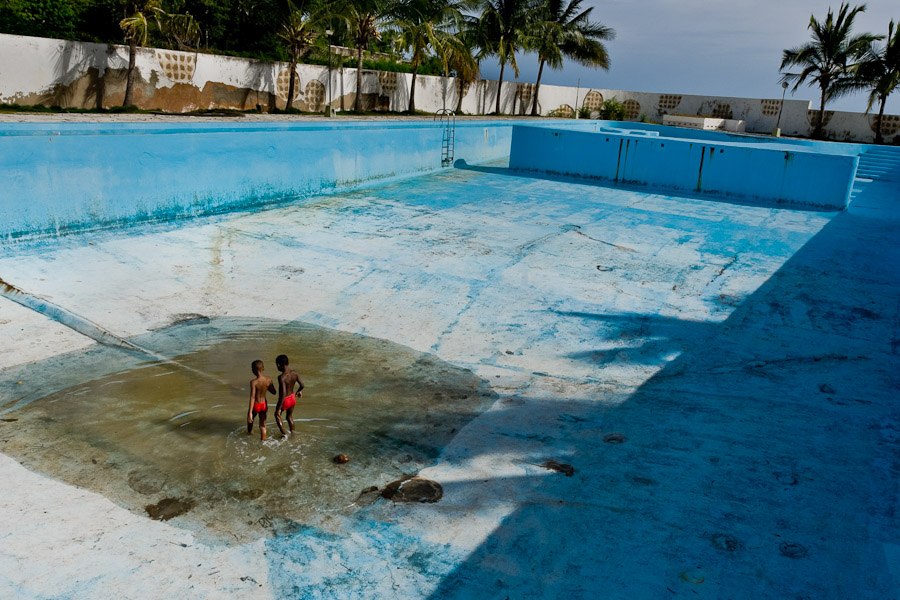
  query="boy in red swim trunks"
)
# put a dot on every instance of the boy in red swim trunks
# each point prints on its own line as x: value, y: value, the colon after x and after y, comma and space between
x: 258, y: 404
x: 287, y: 398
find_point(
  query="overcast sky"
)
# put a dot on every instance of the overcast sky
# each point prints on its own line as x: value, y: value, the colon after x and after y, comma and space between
x: 710, y: 47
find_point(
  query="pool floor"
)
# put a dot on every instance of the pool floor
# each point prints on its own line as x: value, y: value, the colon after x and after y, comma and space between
x: 722, y: 379
x: 174, y: 432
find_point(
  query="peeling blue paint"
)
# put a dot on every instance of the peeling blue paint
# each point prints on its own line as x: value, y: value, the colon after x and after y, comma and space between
x: 66, y: 177
x: 801, y: 178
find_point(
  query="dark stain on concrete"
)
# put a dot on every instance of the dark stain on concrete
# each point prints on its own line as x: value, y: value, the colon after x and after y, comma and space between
x: 552, y: 465
x: 168, y: 508
x: 415, y: 489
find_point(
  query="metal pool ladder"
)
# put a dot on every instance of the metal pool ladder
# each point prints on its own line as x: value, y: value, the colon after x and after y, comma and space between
x: 448, y: 139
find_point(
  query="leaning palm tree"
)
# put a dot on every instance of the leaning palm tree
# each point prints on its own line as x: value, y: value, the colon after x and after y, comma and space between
x: 830, y: 59
x: 363, y: 19
x: 459, y: 58
x: 563, y: 30
x: 504, y: 28
x: 424, y: 25
x: 142, y: 15
x: 300, y: 31
x: 880, y: 73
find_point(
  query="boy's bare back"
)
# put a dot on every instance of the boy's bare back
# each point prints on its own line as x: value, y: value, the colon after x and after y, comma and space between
x: 286, y: 383
x: 260, y: 386
x: 287, y: 399
x: 258, y: 403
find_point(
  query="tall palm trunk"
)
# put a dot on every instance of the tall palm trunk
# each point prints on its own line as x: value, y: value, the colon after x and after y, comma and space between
x: 417, y: 50
x: 878, y: 137
x: 412, y: 89
x: 129, y: 79
x: 500, y: 87
x: 293, y: 67
x: 537, y: 90
x: 817, y: 132
x: 463, y: 88
x: 357, y: 104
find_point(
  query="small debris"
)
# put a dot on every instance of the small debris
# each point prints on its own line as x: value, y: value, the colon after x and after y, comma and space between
x: 793, y: 550
x: 643, y: 480
x: 192, y: 318
x: 9, y: 420
x: 552, y: 465
x: 786, y: 478
x: 825, y: 388
x: 614, y: 437
x: 291, y: 270
x: 693, y: 576
x: 413, y: 490
x: 570, y: 418
x: 341, y: 459
x: 168, y: 508
x: 725, y: 541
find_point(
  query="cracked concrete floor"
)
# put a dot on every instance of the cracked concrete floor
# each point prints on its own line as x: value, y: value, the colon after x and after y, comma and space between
x: 722, y: 378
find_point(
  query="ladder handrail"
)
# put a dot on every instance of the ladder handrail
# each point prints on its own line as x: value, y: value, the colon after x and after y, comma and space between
x: 448, y: 136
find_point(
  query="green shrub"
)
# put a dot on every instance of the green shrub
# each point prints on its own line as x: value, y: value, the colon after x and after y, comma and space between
x: 612, y: 110
x: 559, y: 113
x: 584, y: 113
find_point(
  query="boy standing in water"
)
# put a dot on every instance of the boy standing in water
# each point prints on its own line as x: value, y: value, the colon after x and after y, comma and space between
x: 258, y: 404
x: 286, y: 398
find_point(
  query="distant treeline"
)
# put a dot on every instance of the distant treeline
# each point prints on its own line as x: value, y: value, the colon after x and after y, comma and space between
x: 435, y: 36
x: 247, y: 28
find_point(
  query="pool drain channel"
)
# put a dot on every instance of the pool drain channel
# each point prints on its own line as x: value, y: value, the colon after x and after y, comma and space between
x: 87, y: 328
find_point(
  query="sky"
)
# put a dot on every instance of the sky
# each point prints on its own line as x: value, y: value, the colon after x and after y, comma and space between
x: 707, y: 47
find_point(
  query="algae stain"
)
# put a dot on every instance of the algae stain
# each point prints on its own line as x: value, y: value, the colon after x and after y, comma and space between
x: 159, y: 440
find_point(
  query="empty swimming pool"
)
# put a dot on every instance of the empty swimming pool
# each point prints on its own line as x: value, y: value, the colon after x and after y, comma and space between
x: 719, y: 374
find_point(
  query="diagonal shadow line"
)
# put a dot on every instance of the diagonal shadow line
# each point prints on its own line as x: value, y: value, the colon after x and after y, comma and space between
x: 737, y: 476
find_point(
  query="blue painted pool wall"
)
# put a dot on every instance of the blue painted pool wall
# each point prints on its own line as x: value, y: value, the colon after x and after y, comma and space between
x: 796, y: 178
x: 724, y: 136
x: 59, y: 178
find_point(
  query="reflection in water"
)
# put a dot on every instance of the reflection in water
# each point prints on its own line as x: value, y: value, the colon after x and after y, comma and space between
x: 157, y: 431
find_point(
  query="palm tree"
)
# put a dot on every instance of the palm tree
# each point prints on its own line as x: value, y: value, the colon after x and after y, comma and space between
x: 424, y: 24
x: 830, y: 59
x: 299, y: 30
x: 880, y: 72
x: 565, y: 31
x: 459, y: 58
x: 142, y: 15
x: 363, y: 18
x: 504, y: 29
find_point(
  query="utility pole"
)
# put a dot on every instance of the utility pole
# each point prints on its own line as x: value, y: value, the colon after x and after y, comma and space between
x: 328, y: 109
x: 784, y: 87
x: 577, y: 92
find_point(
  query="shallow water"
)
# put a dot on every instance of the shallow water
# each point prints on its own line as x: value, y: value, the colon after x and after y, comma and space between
x: 159, y: 430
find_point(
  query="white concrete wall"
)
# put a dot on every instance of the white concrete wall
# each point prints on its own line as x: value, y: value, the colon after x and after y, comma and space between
x: 74, y: 74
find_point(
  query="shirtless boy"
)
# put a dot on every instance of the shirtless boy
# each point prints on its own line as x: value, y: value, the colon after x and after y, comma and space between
x: 258, y: 404
x: 287, y: 399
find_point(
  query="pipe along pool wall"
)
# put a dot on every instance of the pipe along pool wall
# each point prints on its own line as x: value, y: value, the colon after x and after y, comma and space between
x: 796, y: 176
x: 63, y: 177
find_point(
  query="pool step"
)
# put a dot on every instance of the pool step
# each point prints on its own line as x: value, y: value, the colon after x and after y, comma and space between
x: 879, y: 164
